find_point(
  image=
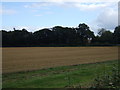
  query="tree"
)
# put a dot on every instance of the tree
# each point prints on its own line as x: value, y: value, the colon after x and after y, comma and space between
x: 5, y: 38
x: 20, y: 37
x: 117, y: 35
x: 101, y: 31
x: 84, y: 33
x: 107, y: 37
x: 43, y: 36
x: 70, y: 36
x: 59, y: 35
x: 17, y: 38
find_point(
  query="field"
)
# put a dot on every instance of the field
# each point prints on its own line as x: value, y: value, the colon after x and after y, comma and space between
x: 34, y: 58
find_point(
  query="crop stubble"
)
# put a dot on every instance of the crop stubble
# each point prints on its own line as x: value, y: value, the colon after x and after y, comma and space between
x: 33, y: 58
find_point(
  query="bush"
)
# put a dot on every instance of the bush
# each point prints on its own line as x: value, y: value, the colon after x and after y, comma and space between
x: 111, y: 80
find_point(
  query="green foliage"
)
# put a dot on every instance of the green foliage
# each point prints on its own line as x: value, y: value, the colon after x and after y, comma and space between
x: 60, y: 36
x: 117, y: 35
x: 106, y: 37
x: 84, y: 33
x: 101, y: 31
x: 108, y: 80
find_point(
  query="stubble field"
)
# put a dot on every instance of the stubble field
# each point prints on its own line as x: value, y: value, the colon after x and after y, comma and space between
x: 33, y: 58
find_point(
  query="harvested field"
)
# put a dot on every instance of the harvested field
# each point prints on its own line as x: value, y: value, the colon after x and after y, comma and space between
x: 33, y: 58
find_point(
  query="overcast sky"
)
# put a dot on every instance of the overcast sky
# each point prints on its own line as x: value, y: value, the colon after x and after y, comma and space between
x: 49, y: 13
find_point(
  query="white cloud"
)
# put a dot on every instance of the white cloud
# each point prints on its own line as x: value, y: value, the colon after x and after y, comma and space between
x: 28, y: 28
x: 84, y: 6
x: 91, y: 6
x: 7, y: 11
x: 49, y: 12
x: 60, y: 1
x: 108, y: 19
x: 79, y: 0
x: 39, y: 15
x: 21, y: 27
x: 37, y: 5
x: 45, y: 13
x: 10, y: 28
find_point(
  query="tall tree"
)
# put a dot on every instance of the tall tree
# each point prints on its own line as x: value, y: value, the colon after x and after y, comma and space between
x: 117, y: 35
x: 107, y: 37
x: 101, y: 31
x: 84, y: 33
x: 43, y: 36
x: 59, y: 34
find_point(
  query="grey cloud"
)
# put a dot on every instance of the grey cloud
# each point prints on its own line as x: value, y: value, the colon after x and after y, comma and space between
x: 108, y: 19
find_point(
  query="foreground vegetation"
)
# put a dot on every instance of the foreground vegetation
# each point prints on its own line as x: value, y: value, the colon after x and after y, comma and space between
x: 108, y: 80
x: 82, y: 75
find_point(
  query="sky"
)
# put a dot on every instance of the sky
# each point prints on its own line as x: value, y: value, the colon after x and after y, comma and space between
x: 36, y: 15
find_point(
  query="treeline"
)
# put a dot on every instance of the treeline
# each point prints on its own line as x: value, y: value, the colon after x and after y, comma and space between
x: 60, y: 36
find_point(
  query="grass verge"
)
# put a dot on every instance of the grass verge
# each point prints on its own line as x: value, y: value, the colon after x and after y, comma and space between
x: 58, y: 77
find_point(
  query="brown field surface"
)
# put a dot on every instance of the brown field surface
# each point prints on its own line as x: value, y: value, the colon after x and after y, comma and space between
x: 33, y: 58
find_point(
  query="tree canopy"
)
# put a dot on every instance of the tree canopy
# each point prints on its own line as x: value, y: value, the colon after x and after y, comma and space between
x: 60, y: 36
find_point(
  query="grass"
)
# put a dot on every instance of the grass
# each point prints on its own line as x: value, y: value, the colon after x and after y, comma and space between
x: 57, y: 77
